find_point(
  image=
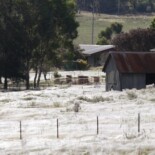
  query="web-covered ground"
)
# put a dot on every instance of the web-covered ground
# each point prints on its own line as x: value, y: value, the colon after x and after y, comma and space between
x: 39, y: 110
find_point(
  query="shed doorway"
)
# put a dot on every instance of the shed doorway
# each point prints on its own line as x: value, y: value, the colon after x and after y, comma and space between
x: 150, y: 79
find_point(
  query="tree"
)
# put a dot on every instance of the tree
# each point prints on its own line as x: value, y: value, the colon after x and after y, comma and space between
x: 102, y: 41
x: 135, y: 40
x: 106, y: 35
x: 116, y: 27
x: 10, y: 42
x: 26, y: 12
x: 48, y: 26
x: 56, y: 30
x: 32, y: 32
x: 117, y: 6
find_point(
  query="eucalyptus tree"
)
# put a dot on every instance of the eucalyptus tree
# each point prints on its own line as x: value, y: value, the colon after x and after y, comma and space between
x: 31, y: 34
x: 28, y: 14
x: 10, y: 42
x: 56, y: 30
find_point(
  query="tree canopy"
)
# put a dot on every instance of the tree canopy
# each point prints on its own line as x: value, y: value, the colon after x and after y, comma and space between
x: 106, y: 35
x: 135, y: 40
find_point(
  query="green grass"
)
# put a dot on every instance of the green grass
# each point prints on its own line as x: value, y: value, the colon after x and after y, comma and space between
x: 103, y: 21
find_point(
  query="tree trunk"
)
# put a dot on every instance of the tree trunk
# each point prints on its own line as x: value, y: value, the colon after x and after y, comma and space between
x: 27, y: 81
x: 5, y: 83
x: 35, y: 78
x: 0, y: 80
x: 45, y: 74
x: 38, y: 81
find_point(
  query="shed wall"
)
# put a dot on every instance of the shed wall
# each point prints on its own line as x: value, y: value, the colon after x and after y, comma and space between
x: 103, y: 58
x: 112, y: 77
x: 129, y: 81
x: 95, y: 60
x: 91, y: 60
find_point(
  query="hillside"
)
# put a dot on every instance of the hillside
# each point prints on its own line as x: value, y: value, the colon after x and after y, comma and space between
x: 102, y: 21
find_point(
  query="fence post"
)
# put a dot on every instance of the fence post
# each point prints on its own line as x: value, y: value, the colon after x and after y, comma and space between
x: 57, y: 128
x: 20, y: 129
x: 138, y: 122
x: 97, y: 125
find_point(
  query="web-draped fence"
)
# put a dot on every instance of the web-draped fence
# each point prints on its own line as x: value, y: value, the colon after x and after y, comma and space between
x: 65, y: 80
x: 77, y: 127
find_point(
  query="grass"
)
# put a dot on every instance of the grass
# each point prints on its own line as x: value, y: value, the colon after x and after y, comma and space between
x: 94, y: 99
x: 5, y: 100
x: 153, y: 99
x: 33, y: 104
x: 57, y: 105
x: 103, y: 21
x: 131, y: 95
x: 28, y: 98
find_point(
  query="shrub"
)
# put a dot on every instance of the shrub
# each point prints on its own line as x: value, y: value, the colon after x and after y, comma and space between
x: 102, y: 41
x: 135, y: 40
x: 56, y: 105
x: 95, y: 99
x: 56, y: 74
x: 116, y: 27
x: 82, y: 64
x: 131, y: 95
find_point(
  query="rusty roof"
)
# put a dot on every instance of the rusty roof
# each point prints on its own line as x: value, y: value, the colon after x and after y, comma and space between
x: 133, y: 62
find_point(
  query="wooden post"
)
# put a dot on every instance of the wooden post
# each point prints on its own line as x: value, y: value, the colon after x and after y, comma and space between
x: 138, y: 122
x: 20, y: 129
x: 57, y: 128
x: 97, y: 125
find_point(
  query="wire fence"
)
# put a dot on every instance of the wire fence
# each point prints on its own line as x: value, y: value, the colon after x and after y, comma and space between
x: 59, y: 128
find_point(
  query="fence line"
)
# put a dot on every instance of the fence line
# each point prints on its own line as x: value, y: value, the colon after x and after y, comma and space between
x: 138, y: 122
x: 81, y: 80
x: 57, y: 128
x: 20, y: 129
x: 97, y: 125
x: 59, y: 133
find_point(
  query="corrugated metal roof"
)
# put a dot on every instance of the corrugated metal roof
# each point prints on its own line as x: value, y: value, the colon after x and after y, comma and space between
x: 92, y: 49
x: 133, y: 62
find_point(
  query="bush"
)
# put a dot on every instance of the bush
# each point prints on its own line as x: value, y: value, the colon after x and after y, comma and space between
x: 131, y: 95
x: 102, y: 41
x: 82, y: 64
x: 135, y: 40
x: 56, y: 74
x: 116, y: 27
x: 106, y: 35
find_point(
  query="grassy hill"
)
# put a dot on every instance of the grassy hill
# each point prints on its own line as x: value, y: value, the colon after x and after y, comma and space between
x: 102, y: 21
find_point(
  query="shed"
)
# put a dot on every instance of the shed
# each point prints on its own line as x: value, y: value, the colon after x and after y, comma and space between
x: 96, y: 54
x: 127, y: 70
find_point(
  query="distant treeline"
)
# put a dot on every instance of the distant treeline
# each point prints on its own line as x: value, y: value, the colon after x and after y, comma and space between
x: 116, y: 6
